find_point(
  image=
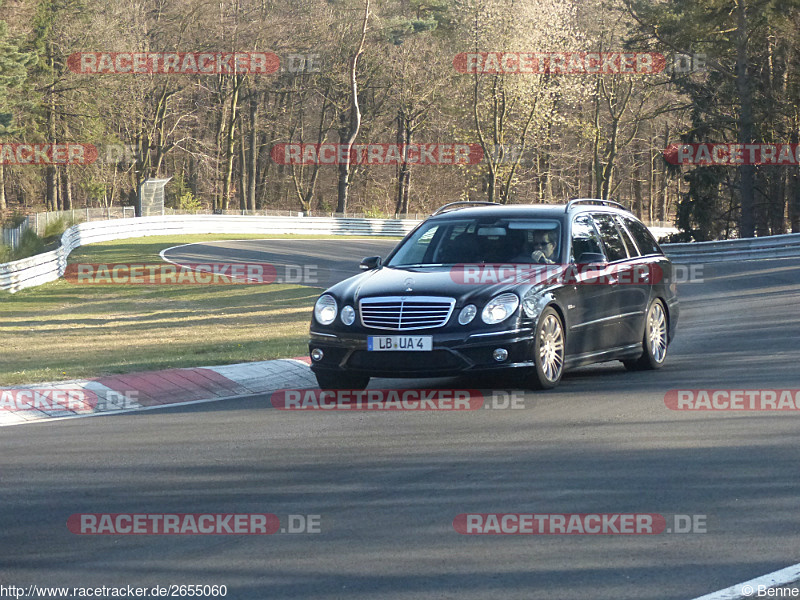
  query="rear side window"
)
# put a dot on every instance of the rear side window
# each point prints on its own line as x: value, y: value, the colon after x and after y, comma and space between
x: 644, y: 239
x: 615, y: 247
x: 584, y: 238
x: 626, y: 237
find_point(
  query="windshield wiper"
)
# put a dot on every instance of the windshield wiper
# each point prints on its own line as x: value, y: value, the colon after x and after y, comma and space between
x: 418, y: 265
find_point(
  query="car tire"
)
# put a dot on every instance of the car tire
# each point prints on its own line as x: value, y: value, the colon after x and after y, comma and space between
x: 655, y: 341
x: 341, y: 381
x: 548, y: 352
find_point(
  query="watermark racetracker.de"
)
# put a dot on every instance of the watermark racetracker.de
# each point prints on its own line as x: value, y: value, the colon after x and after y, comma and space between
x: 215, y: 273
x: 577, y: 523
x: 67, y: 400
x: 710, y: 154
x: 193, y: 63
x: 192, y: 524
x: 577, y: 63
x: 377, y: 154
x: 23, y: 153
x: 166, y: 63
x: 733, y: 400
x: 397, y: 399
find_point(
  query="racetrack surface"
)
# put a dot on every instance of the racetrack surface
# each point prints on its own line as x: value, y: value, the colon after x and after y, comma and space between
x: 325, y: 262
x: 387, y: 485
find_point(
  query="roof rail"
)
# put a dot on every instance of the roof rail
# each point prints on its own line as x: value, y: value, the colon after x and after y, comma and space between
x: 599, y: 201
x: 461, y: 204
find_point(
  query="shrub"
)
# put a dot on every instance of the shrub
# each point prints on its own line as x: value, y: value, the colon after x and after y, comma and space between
x: 29, y: 245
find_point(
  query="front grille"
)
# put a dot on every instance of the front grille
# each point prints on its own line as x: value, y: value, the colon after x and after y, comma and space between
x: 404, y: 313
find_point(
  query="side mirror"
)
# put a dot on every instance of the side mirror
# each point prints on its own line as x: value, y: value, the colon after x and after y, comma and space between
x: 594, y: 259
x: 370, y: 263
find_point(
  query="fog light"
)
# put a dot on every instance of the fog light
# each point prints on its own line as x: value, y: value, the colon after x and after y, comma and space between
x: 500, y: 354
x: 317, y: 354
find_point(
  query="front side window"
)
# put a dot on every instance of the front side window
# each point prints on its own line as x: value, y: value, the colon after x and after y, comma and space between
x: 585, y: 239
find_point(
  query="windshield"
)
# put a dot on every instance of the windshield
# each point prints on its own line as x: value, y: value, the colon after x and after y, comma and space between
x: 487, y: 240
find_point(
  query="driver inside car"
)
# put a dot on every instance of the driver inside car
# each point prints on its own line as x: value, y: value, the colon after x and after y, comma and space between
x: 545, y: 246
x: 539, y: 247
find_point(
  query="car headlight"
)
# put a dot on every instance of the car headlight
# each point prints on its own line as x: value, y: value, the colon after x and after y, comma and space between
x: 500, y: 308
x: 348, y: 315
x: 467, y: 314
x: 325, y: 309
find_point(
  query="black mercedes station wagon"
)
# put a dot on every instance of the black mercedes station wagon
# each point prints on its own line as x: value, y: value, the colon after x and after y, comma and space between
x: 481, y: 288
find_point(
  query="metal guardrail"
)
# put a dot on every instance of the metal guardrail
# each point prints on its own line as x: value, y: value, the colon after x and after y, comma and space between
x: 39, y: 269
x: 39, y: 221
x: 774, y: 246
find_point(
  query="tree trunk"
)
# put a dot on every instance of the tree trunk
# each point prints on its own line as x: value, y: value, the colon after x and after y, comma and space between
x: 262, y: 190
x: 253, y: 162
x: 651, y: 185
x: 663, y: 196
x: 66, y: 182
x: 231, y: 141
x: 637, y: 191
x: 242, y: 173
x: 404, y: 136
x: 355, y: 120
x: 51, y: 174
x: 3, y: 205
x: 220, y: 135
x: 597, y: 170
x: 745, y: 130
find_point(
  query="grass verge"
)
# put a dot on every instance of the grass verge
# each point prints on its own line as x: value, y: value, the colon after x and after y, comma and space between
x: 63, y: 331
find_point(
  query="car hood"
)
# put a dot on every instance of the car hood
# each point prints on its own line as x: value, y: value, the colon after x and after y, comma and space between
x: 429, y: 281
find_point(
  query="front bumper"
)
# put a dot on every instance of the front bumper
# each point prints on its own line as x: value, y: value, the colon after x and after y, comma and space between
x: 452, y: 354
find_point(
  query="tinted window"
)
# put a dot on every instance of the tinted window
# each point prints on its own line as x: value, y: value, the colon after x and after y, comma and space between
x: 644, y: 239
x: 615, y: 247
x: 488, y: 239
x: 585, y: 238
x: 626, y: 237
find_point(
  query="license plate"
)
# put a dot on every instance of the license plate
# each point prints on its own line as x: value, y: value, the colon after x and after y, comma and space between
x: 411, y: 343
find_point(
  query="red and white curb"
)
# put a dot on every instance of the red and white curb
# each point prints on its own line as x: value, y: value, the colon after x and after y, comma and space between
x: 157, y: 389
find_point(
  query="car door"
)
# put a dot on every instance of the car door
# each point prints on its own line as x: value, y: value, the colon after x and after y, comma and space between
x: 593, y: 304
x: 635, y: 285
x: 652, y: 264
x: 625, y: 295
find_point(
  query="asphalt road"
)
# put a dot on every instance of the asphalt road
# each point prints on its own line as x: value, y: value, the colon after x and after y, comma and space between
x: 308, y: 262
x: 388, y: 485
